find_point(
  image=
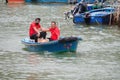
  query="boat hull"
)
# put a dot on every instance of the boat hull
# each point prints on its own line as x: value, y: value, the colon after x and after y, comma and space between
x: 52, y: 46
x: 63, y: 1
x: 99, y: 16
x: 93, y: 19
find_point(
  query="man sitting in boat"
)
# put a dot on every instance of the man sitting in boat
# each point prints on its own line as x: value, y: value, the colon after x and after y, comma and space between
x: 54, y: 30
x: 34, y: 30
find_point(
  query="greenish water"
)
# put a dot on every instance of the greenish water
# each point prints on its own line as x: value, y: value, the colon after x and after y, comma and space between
x: 97, y: 56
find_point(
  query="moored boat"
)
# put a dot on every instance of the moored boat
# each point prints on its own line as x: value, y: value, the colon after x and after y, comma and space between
x: 97, y: 16
x: 61, y: 45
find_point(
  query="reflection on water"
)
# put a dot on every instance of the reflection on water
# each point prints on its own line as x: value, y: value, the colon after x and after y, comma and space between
x: 33, y: 59
x: 32, y: 76
x: 97, y: 56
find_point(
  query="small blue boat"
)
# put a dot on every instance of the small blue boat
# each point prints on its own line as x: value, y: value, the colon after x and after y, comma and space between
x: 97, y: 16
x: 61, y: 45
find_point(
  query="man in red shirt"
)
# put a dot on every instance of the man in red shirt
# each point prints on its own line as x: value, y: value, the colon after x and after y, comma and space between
x: 34, y: 30
x: 54, y: 30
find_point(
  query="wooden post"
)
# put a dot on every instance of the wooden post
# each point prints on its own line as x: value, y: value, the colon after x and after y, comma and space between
x: 119, y: 18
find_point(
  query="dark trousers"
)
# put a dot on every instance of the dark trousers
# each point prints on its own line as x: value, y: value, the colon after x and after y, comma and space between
x: 35, y: 37
x: 50, y: 39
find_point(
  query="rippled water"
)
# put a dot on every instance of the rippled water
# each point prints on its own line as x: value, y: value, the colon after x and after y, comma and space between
x: 97, y: 56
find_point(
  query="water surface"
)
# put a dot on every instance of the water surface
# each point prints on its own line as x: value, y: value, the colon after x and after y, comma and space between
x: 97, y: 56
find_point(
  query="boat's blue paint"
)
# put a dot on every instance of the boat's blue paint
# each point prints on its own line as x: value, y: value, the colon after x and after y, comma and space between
x: 28, y: 0
x: 99, y: 16
x: 88, y: 1
x: 64, y: 1
x: 91, y: 1
x: 51, y: 46
x: 89, y: 7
